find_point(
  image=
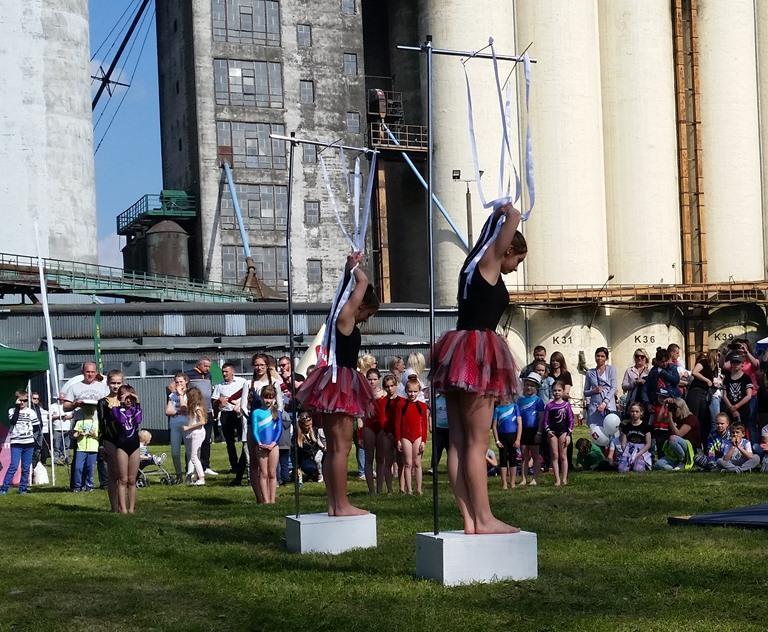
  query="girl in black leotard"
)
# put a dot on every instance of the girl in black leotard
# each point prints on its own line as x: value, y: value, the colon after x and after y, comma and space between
x: 339, y: 393
x: 127, y: 417
x: 472, y: 365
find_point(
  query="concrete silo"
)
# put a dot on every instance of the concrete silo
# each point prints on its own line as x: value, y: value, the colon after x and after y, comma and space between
x: 730, y: 136
x: 639, y: 137
x: 567, y: 231
x: 45, y: 117
x: 465, y: 26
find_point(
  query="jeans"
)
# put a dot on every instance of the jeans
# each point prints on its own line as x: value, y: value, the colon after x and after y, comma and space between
x: 714, y: 409
x: 193, y: 441
x: 61, y: 445
x: 230, y: 428
x: 360, y: 454
x: 23, y: 454
x: 101, y: 467
x: 177, y: 437
x: 284, y: 466
x: 85, y: 462
x: 205, y: 449
x: 38, y: 434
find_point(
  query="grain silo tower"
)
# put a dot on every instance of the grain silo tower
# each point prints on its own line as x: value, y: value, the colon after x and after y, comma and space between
x: 46, y: 164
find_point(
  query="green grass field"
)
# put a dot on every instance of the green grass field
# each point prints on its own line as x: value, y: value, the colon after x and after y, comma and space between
x: 211, y: 559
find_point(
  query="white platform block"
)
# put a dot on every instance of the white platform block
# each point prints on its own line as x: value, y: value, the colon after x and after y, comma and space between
x: 321, y: 533
x: 454, y: 558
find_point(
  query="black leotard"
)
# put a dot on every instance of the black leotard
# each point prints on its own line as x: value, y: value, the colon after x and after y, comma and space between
x: 484, y: 305
x: 347, y: 348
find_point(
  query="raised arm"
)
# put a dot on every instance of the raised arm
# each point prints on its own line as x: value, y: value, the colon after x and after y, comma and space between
x: 346, y: 321
x: 490, y: 263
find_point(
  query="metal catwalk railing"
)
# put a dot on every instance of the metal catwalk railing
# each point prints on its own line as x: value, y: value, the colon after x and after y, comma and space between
x: 20, y: 272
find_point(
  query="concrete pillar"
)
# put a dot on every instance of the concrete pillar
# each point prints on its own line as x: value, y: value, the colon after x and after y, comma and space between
x: 730, y: 139
x: 567, y: 231
x: 640, y: 140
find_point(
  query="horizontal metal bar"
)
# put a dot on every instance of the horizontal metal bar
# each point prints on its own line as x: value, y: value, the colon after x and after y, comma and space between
x: 464, y: 53
x: 305, y: 141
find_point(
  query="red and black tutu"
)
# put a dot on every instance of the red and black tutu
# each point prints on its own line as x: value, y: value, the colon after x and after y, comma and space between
x: 476, y: 361
x: 350, y: 394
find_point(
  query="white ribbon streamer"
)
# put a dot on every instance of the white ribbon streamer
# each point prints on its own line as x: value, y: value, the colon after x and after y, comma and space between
x: 490, y: 230
x: 347, y: 283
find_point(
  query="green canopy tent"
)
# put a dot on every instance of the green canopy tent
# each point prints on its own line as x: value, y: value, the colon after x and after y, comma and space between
x: 16, y: 368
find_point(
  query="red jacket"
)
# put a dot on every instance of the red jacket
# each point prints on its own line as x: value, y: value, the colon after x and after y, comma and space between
x: 412, y: 421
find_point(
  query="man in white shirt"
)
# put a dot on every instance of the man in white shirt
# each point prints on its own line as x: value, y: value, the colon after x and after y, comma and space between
x: 229, y: 413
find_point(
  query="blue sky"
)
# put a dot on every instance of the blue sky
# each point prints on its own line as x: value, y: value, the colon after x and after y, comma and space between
x: 128, y: 162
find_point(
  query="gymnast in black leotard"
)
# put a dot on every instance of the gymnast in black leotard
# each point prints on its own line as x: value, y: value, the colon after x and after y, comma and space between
x: 127, y: 419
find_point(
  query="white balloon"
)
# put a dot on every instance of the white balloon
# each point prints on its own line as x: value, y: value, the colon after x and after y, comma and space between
x: 598, y: 436
x: 611, y: 423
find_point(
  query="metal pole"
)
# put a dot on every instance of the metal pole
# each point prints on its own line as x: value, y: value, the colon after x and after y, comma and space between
x: 238, y: 212
x: 462, y: 53
x: 306, y: 141
x: 469, y: 214
x: 292, y: 351
x: 430, y: 213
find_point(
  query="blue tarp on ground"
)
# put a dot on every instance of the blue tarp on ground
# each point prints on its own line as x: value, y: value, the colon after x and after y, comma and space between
x: 755, y: 517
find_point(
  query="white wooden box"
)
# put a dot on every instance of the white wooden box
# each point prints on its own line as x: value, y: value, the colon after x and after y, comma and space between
x: 454, y: 558
x: 321, y: 533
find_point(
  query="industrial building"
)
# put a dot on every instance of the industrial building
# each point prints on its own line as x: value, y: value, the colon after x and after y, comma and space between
x: 231, y: 73
x: 46, y: 162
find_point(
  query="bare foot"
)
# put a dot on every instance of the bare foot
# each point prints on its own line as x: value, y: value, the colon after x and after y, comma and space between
x: 557, y: 483
x: 523, y: 482
x: 349, y: 510
x: 469, y: 527
x: 495, y: 526
x: 504, y: 486
x: 565, y: 481
x: 533, y: 482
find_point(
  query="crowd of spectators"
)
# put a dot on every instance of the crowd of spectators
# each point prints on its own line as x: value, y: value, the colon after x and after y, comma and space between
x: 706, y: 417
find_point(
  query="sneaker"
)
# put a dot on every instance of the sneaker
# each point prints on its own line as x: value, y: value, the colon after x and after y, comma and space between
x: 22, y: 491
x: 199, y: 482
x: 235, y: 482
x: 319, y: 478
x: 3, y: 492
x: 210, y: 472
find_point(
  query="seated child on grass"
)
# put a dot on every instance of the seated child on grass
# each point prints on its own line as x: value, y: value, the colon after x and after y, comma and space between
x: 590, y: 457
x: 738, y: 455
x: 716, y: 444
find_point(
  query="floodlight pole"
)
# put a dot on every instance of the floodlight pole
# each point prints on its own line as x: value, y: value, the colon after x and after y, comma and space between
x: 429, y: 51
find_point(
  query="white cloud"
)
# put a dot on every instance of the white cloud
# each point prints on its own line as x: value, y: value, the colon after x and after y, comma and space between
x: 110, y: 251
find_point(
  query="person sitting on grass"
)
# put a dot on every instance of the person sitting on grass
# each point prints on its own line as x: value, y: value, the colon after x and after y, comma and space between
x: 764, y: 447
x: 310, y: 451
x: 738, y: 455
x: 717, y: 443
x: 676, y: 454
x: 491, y: 463
x: 590, y: 456
x: 635, y: 442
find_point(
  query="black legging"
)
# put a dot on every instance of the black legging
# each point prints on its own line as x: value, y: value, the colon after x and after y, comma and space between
x: 508, y: 452
x: 697, y: 401
x: 440, y: 436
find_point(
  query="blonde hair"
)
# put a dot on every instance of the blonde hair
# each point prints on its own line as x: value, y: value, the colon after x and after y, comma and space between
x: 393, y: 361
x: 645, y: 353
x: 311, y: 434
x: 195, y: 403
x: 417, y: 362
x: 145, y: 436
x: 681, y: 409
x: 365, y: 362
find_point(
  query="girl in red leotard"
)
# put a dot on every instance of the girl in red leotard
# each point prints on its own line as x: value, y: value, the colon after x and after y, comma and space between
x: 411, y: 434
x: 388, y: 407
x: 372, y: 435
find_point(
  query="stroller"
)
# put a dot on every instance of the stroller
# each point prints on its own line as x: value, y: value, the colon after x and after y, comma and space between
x: 152, y: 467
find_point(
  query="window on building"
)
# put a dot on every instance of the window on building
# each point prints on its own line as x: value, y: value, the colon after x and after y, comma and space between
x: 353, y: 122
x: 251, y: 83
x: 309, y: 153
x: 306, y: 91
x: 252, y: 148
x: 350, y: 64
x: 348, y: 7
x: 311, y: 213
x: 304, y: 35
x: 270, y: 262
x: 246, y: 21
x: 264, y: 207
x: 314, y: 271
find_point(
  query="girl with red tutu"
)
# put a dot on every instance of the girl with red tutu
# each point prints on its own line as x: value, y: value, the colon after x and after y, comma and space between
x: 473, y: 366
x: 337, y: 393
